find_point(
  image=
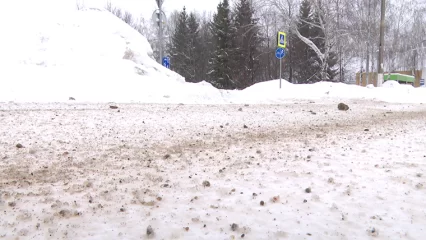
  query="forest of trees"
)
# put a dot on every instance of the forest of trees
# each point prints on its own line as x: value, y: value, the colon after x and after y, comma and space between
x: 327, y: 40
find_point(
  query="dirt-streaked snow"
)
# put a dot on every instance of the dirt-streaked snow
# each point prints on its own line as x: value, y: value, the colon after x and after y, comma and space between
x: 90, y: 172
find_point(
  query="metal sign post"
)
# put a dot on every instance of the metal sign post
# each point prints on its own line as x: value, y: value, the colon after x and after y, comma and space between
x: 280, y: 54
x: 281, y: 67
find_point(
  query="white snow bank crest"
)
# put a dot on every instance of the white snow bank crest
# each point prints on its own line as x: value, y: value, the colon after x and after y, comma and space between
x: 391, y: 84
x: 90, y: 37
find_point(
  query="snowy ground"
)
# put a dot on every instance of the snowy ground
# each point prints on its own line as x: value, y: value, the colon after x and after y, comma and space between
x: 90, y: 172
x: 77, y: 169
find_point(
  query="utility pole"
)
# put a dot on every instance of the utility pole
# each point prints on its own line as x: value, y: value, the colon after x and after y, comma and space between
x: 339, y: 44
x: 381, y: 45
x: 367, y: 78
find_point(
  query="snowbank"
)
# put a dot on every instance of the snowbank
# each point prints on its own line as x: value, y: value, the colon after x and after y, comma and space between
x: 390, y: 92
x: 391, y: 84
x: 89, y: 55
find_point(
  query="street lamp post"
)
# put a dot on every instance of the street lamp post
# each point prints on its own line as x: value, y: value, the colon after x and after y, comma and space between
x: 160, y: 28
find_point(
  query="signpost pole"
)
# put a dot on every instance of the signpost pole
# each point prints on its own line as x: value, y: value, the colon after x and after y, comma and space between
x: 281, y: 60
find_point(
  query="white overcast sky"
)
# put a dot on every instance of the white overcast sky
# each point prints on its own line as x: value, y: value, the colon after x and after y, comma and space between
x: 147, y: 7
x: 137, y: 7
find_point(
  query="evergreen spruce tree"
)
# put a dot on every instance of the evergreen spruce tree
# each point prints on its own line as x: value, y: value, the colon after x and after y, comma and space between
x: 194, y: 49
x: 332, y: 70
x: 246, y: 44
x: 221, y: 27
x: 206, y: 49
x: 180, y: 59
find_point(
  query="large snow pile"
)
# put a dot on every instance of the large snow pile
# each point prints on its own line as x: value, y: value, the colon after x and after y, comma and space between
x: 88, y: 54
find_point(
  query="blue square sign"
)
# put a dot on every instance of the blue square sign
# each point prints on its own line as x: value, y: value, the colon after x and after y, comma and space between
x: 166, y: 62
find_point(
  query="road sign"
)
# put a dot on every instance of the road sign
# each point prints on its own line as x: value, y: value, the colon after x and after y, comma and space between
x: 282, y: 40
x: 422, y: 82
x: 280, y: 53
x: 166, y: 62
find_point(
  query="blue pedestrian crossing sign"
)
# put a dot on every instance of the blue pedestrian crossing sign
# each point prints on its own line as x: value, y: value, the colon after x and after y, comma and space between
x: 166, y: 62
x: 282, y: 40
x: 280, y: 53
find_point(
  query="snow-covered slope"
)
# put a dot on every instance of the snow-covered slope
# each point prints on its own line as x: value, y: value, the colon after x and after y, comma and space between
x: 88, y: 54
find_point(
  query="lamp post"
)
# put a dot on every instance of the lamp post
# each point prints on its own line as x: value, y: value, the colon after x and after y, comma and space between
x: 160, y: 28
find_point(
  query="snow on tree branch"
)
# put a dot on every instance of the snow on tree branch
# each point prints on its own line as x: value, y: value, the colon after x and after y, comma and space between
x: 309, y: 43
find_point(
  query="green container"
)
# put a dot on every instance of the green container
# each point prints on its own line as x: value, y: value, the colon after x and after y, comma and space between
x: 402, y: 78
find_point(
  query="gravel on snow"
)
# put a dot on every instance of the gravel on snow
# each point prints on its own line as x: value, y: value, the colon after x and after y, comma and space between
x: 87, y: 171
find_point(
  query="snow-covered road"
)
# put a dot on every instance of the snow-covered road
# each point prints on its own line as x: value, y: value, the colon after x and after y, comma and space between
x: 290, y: 171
